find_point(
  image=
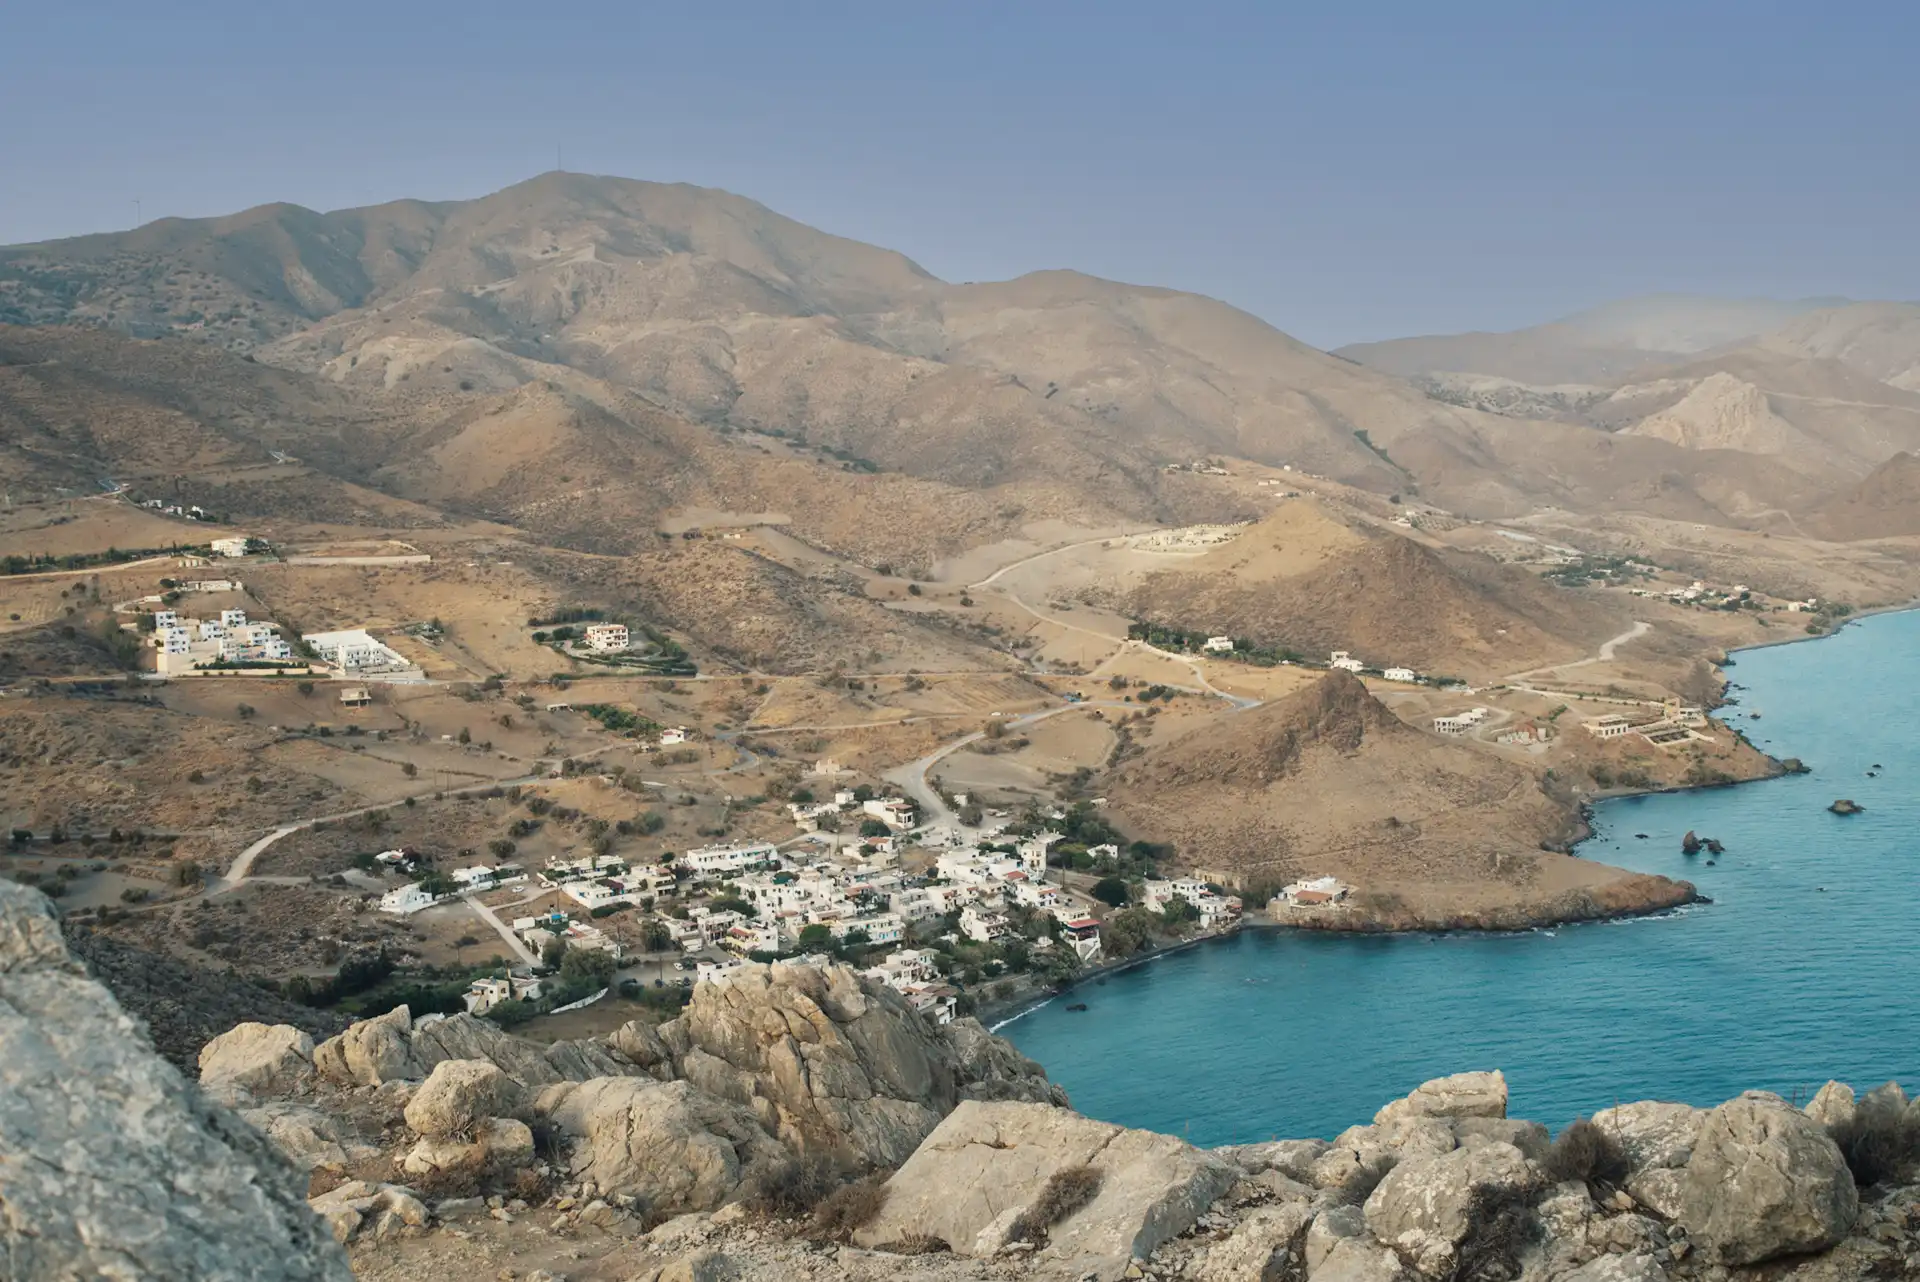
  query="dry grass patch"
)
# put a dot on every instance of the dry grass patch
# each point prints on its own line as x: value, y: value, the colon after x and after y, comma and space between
x: 848, y: 1209
x: 1065, y: 1192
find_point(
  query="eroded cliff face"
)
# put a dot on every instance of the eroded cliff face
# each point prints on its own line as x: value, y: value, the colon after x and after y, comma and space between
x: 693, y: 1151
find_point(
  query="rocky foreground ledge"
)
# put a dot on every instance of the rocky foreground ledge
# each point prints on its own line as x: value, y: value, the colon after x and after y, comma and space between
x: 796, y: 1124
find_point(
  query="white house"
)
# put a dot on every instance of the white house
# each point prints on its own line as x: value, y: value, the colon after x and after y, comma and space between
x: 165, y: 619
x: 983, y: 926
x: 1611, y: 726
x: 712, y: 861
x: 485, y: 994
x: 352, y: 650
x: 895, y: 812
x: 1401, y: 674
x: 1315, y: 892
x: 606, y: 638
x: 1082, y: 934
x: 678, y: 734
x: 1345, y: 662
x: 1218, y: 645
x: 229, y: 547
x: 406, y: 900
x: 1461, y: 722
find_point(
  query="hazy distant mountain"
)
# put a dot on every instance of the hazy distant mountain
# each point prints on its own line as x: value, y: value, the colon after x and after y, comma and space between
x: 1605, y: 345
x: 1880, y: 340
x: 647, y: 325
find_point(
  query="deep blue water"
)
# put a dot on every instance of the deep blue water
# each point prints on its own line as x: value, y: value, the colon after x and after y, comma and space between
x: 1801, y: 969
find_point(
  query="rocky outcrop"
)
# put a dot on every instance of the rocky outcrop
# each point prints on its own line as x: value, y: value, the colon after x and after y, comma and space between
x: 1461, y: 1095
x: 674, y: 1146
x: 459, y: 1095
x: 1765, y: 1180
x: 1425, y: 1209
x: 833, y: 1066
x: 979, y: 1176
x: 111, y: 1164
x: 257, y: 1059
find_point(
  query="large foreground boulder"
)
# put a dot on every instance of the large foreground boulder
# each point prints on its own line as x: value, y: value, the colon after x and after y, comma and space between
x: 111, y: 1164
x: 675, y: 1147
x: 986, y: 1169
x: 838, y: 1067
x: 1426, y: 1208
x: 1765, y: 1180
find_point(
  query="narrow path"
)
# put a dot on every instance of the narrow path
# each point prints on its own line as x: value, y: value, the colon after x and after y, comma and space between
x: 912, y: 777
x: 1607, y: 649
x: 492, y: 919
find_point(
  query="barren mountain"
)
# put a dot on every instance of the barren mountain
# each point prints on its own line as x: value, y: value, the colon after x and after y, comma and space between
x: 1605, y: 345
x: 1884, y: 505
x: 1881, y: 340
x: 1308, y: 579
x: 1721, y: 412
x: 1327, y: 781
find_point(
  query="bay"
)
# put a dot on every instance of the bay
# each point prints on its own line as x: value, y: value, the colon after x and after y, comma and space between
x: 1800, y: 970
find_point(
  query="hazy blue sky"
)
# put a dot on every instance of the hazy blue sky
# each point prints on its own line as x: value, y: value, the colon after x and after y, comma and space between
x: 1346, y: 171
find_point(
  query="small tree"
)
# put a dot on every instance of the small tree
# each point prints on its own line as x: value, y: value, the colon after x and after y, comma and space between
x: 554, y: 954
x: 465, y: 735
x: 1111, y: 891
x: 815, y: 936
x: 873, y: 828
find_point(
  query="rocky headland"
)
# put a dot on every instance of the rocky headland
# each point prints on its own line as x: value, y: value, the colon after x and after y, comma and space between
x: 798, y: 1123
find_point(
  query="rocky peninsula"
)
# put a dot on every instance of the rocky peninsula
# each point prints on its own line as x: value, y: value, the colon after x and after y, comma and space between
x: 798, y: 1123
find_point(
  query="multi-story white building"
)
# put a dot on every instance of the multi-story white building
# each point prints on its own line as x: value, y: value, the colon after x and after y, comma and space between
x: 1345, y: 662
x: 710, y: 862
x: 895, y: 812
x: 229, y: 547
x: 605, y: 638
x: 983, y: 925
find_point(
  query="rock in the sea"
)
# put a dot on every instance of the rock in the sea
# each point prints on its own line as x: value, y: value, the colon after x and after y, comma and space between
x: 459, y: 1094
x: 668, y: 1143
x: 1425, y: 1208
x: 1765, y: 1181
x: 111, y: 1164
x: 264, y: 1060
x: 987, y: 1164
x: 1461, y: 1095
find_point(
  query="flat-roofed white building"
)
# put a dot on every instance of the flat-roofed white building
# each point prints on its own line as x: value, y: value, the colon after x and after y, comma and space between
x: 711, y: 861
x: 1401, y: 674
x: 352, y: 650
x: 229, y: 547
x: 606, y: 638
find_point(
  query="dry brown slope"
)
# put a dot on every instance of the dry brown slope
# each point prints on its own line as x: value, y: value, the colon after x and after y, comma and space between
x: 1307, y: 579
x: 1886, y: 504
x: 1327, y: 781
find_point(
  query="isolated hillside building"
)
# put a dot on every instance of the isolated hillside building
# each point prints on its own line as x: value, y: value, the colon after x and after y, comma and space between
x: 1218, y: 645
x: 229, y: 547
x: 1611, y: 726
x: 355, y: 697
x: 1401, y: 674
x: 353, y: 650
x: 606, y: 638
x: 1345, y: 662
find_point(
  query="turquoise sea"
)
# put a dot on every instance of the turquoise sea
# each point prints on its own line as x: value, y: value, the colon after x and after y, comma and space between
x: 1802, y: 968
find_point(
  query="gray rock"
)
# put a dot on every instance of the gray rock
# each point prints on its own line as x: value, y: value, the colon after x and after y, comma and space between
x: 1832, y: 1104
x: 676, y: 1148
x: 1263, y: 1246
x: 1653, y: 1133
x: 263, y: 1060
x: 459, y: 1094
x: 988, y: 1162
x: 1461, y: 1095
x: 1638, y: 1267
x: 1362, y: 1153
x: 111, y: 1164
x: 1530, y: 1138
x: 371, y: 1052
x: 1765, y: 1181
x: 1660, y: 1189
x: 378, y: 1210
x: 307, y: 1136
x: 1290, y: 1157
x: 1329, y: 1228
x: 1358, y: 1259
x: 500, y: 1143
x: 1425, y: 1207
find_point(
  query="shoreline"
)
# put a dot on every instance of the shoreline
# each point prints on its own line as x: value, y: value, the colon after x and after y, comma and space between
x: 999, y: 1016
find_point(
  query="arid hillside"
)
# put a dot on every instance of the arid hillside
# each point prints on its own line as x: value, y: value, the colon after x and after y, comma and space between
x: 1311, y: 580
x: 1884, y: 505
x: 1327, y: 781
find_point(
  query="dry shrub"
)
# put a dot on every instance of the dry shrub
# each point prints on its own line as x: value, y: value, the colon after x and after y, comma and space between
x: 792, y: 1188
x: 1499, y: 1226
x: 916, y: 1244
x: 1587, y: 1153
x: 325, y: 1179
x: 1065, y: 1192
x: 848, y: 1209
x: 1878, y: 1141
x: 435, y: 1185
